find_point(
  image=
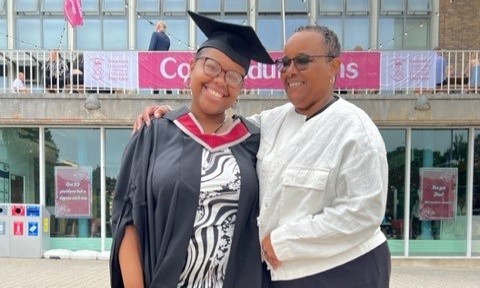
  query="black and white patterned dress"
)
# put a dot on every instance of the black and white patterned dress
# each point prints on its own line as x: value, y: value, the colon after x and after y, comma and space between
x: 209, y: 246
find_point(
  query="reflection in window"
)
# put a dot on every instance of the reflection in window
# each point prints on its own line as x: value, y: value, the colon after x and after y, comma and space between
x: 296, y: 6
x: 208, y: 6
x: 389, y: 7
x: 265, y: 6
x: 417, y: 34
x: 330, y: 7
x: 73, y: 148
x: 419, y: 6
x: 395, y: 143
x: 442, y: 148
x: 117, y: 138
x: 113, y: 6
x: 90, y: 6
x: 236, y: 6
x: 357, y: 32
x: 2, y: 7
x: 356, y: 7
x: 21, y: 169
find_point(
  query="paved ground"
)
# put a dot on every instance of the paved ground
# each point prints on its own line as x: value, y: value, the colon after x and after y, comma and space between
x: 16, y: 272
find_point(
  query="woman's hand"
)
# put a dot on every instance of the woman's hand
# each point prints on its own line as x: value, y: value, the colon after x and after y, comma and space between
x: 144, y: 117
x: 269, y: 253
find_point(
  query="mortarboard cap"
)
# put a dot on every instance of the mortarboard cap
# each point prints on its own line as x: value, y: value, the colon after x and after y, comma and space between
x: 238, y: 42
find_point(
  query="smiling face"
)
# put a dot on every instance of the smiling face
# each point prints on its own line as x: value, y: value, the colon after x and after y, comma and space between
x: 312, y: 88
x: 211, y: 95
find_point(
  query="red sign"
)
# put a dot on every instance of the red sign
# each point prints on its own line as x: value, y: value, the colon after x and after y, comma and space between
x: 73, y: 192
x: 18, y: 210
x: 359, y: 70
x: 18, y: 228
x: 438, y: 193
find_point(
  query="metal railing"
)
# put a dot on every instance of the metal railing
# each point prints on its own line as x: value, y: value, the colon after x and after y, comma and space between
x: 460, y: 74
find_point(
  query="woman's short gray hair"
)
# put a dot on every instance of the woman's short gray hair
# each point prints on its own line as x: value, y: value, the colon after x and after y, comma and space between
x: 331, y: 39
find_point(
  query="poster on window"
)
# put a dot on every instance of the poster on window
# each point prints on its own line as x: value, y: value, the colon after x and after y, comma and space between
x: 438, y: 187
x: 73, y: 192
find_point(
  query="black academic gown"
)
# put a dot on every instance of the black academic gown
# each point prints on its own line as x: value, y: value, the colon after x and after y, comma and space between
x: 163, y: 157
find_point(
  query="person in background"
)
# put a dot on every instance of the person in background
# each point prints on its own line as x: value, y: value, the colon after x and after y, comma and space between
x: 186, y: 203
x: 159, y: 40
x: 440, y: 68
x: 56, y: 71
x: 18, y: 85
x: 323, y: 175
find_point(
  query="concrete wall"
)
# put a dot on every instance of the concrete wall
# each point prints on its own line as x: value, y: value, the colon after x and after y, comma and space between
x: 121, y: 110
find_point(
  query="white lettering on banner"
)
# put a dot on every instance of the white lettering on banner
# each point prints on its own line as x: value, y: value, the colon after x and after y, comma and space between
x: 263, y: 71
x: 349, y: 71
x: 183, y: 69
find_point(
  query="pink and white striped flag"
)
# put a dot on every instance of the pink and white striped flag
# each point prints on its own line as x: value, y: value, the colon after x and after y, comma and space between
x: 73, y: 12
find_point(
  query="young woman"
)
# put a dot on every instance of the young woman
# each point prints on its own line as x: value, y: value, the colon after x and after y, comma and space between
x: 186, y: 202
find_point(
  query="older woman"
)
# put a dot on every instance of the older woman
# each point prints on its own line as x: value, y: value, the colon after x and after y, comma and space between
x: 323, y: 175
x: 186, y: 202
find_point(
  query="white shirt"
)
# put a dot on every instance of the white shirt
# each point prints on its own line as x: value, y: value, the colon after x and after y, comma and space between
x: 18, y: 86
x: 323, y: 187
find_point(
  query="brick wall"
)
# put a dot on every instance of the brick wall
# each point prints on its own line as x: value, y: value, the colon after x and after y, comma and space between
x: 459, y: 24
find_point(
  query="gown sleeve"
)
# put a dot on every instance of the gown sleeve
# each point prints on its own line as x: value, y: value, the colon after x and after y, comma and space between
x: 132, y: 170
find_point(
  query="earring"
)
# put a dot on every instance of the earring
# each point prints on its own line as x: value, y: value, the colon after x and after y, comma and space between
x: 235, y: 105
x: 332, y: 79
x: 187, y: 81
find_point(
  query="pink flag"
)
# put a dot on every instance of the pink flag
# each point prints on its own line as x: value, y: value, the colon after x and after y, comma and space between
x: 73, y: 12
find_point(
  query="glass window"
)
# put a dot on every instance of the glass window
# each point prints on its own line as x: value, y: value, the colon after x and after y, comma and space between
x: 417, y: 34
x: 296, y: 6
x: 356, y: 7
x: 178, y: 32
x: 419, y: 6
x: 73, y: 148
x: 88, y: 36
x: 236, y: 6
x: 54, y: 33
x: 114, y: 6
x: 19, y: 172
x: 357, y: 32
x: 476, y: 193
x: 28, y: 33
x: 115, y: 141
x: 52, y: 6
x: 2, y: 7
x: 144, y: 32
x: 3, y: 32
x: 148, y: 5
x: 330, y: 7
x: 293, y: 23
x: 268, y: 6
x: 115, y: 34
x: 175, y: 6
x: 269, y: 29
x: 90, y: 6
x: 390, y: 33
x: 26, y: 6
x: 334, y: 24
x: 442, y: 149
x: 395, y: 143
x: 388, y: 7
x: 208, y: 6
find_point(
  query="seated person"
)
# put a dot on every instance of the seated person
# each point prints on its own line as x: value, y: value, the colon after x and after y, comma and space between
x: 18, y: 85
x: 77, y: 70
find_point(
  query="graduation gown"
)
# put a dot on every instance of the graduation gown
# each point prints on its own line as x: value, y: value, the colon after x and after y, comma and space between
x: 164, y: 215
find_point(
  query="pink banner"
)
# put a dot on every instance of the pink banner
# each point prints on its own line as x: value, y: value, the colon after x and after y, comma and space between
x: 438, y: 193
x: 359, y: 70
x: 168, y: 70
x: 73, y: 12
x: 73, y: 192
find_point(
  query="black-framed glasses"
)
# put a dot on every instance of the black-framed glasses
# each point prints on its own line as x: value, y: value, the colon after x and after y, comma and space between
x: 212, y: 68
x: 301, y: 62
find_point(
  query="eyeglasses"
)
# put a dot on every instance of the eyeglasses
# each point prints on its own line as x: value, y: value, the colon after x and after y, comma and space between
x: 212, y: 68
x: 301, y: 62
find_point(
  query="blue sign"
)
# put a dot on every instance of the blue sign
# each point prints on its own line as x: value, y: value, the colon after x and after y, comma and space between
x: 33, y: 210
x: 32, y: 228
